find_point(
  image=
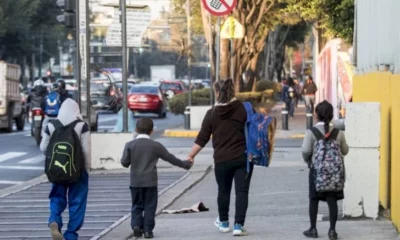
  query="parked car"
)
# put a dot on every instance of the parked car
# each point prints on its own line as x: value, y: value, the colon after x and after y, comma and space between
x: 172, y: 88
x: 94, y: 118
x: 130, y: 85
x: 104, y: 95
x: 147, y: 98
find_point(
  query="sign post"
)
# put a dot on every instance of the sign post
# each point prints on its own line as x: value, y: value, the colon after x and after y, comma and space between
x: 127, y: 28
x: 219, y: 8
x: 232, y: 29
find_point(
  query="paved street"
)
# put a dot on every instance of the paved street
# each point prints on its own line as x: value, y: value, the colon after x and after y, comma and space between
x: 24, y: 215
x: 21, y: 159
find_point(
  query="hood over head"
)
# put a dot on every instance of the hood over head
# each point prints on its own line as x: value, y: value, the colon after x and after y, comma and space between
x: 225, y: 111
x: 69, y: 112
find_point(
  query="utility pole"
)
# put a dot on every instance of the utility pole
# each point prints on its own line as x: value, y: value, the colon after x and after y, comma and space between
x: 189, y: 50
x: 124, y: 65
x: 210, y: 53
x: 40, y: 55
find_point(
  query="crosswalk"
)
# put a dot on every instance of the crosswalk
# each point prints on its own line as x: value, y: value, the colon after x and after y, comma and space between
x: 17, y: 160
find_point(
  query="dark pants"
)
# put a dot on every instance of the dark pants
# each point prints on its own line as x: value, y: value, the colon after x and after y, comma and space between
x: 144, y: 207
x: 77, y: 199
x: 225, y: 173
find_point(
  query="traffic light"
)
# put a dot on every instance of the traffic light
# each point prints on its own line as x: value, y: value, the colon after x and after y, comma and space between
x: 69, y: 17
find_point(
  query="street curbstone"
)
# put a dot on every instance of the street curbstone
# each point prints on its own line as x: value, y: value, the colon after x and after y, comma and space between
x: 23, y: 186
x: 181, y: 133
x: 297, y: 136
x: 167, y: 197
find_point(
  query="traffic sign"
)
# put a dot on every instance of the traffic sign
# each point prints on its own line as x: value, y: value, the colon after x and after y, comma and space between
x: 232, y: 29
x: 137, y: 20
x: 219, y: 7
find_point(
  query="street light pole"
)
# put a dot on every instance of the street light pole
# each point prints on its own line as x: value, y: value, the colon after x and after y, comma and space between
x: 124, y: 65
x: 189, y: 51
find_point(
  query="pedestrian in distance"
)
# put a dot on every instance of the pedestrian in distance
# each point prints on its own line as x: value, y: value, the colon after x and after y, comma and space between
x: 323, y: 149
x: 292, y: 97
x: 141, y: 155
x: 67, y: 136
x: 226, y: 123
x: 297, y: 88
x: 309, y: 90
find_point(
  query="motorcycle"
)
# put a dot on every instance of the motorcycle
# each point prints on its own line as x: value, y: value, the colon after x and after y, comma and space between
x: 37, y: 121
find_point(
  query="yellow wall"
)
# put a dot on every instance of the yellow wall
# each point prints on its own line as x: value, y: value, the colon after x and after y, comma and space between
x: 375, y: 87
x: 395, y: 151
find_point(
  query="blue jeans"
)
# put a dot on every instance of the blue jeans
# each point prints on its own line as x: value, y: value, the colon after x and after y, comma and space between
x: 77, y: 199
x: 290, y: 105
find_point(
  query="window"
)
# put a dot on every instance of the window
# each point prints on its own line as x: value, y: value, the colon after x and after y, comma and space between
x: 144, y: 89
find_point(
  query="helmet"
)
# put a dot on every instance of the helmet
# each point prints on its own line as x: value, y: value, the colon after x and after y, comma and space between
x: 55, y: 86
x: 38, y: 83
x: 61, y: 83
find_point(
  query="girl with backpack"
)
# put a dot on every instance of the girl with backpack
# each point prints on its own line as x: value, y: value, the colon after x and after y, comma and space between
x: 226, y: 123
x: 323, y: 149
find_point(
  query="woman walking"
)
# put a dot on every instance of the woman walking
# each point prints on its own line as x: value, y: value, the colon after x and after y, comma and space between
x: 226, y: 122
x: 309, y: 90
x: 325, y: 131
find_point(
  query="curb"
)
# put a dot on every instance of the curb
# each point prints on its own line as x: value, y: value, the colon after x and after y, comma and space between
x: 161, y: 207
x: 181, y: 133
x: 296, y: 136
x: 23, y: 186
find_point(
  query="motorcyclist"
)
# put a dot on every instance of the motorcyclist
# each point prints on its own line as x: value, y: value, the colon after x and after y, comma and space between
x: 37, y: 94
x: 63, y: 90
x: 51, y: 105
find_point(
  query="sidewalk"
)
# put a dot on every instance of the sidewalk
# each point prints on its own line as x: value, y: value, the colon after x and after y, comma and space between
x: 297, y: 125
x: 278, y: 208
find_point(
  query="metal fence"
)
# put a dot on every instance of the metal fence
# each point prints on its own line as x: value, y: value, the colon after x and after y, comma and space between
x: 377, y: 35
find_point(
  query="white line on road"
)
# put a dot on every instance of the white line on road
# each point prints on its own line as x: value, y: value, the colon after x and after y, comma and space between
x: 10, y: 182
x: 33, y: 160
x: 21, y: 168
x: 109, y: 119
x: 10, y: 155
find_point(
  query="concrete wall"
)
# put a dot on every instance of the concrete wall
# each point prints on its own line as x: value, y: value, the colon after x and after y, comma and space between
x: 395, y: 150
x: 375, y: 87
x: 362, y: 162
x: 197, y: 114
x: 383, y: 87
x: 107, y: 149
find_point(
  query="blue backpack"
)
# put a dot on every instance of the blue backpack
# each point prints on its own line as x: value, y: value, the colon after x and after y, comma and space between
x: 256, y: 132
x: 53, y: 104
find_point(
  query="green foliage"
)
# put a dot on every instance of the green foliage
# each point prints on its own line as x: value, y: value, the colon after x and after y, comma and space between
x: 201, y: 97
x: 336, y: 16
x: 195, y: 12
x: 23, y: 23
x: 263, y: 85
x: 179, y: 102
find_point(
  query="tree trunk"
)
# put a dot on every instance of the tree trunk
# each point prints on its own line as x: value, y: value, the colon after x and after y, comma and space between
x: 210, y: 38
x: 225, y: 60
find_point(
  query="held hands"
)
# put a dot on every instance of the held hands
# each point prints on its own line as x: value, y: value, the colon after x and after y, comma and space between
x: 189, y: 163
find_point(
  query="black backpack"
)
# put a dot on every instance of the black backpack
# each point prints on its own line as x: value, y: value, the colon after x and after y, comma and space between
x: 64, y: 156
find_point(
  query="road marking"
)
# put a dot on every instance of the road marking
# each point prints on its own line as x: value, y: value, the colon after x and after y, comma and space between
x: 10, y: 182
x: 21, y: 168
x: 33, y: 160
x: 10, y: 155
x: 109, y: 119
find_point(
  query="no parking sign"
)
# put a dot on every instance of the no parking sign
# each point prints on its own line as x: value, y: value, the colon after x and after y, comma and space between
x: 219, y: 7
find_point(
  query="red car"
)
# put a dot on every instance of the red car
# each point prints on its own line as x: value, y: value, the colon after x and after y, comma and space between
x: 147, y: 99
x: 172, y: 88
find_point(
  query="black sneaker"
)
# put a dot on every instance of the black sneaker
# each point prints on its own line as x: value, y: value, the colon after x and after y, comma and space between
x: 148, y: 235
x: 311, y: 233
x: 137, y: 232
x: 332, y: 235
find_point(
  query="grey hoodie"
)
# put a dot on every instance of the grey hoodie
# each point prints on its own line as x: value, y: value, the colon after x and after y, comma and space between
x: 68, y: 113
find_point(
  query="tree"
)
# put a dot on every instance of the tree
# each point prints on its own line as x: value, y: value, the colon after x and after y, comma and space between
x: 336, y: 17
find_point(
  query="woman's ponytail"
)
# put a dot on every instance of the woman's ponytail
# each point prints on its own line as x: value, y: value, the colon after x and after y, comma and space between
x: 226, y: 90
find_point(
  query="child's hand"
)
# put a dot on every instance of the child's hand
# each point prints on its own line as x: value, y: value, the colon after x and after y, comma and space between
x: 187, y: 164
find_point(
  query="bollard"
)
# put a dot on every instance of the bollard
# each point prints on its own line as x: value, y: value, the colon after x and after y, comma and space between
x: 187, y: 118
x: 309, y: 117
x: 285, y: 119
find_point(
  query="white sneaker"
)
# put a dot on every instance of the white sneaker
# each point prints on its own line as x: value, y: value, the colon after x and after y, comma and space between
x: 238, y: 230
x: 222, y: 226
